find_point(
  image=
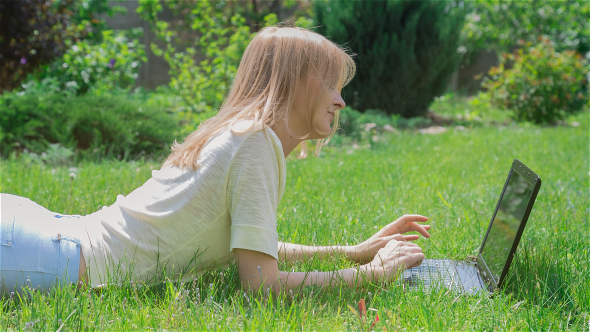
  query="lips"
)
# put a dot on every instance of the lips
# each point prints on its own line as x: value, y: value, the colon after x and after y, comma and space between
x: 332, y: 114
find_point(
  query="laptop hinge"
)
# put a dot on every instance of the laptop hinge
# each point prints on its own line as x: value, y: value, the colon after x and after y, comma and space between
x: 485, y: 273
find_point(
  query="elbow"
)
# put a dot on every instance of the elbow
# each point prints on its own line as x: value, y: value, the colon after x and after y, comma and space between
x: 260, y: 282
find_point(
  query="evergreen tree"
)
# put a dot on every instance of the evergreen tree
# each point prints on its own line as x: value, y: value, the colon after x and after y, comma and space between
x: 406, y: 50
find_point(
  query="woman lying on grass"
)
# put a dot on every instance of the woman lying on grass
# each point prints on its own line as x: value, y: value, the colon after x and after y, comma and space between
x: 216, y: 196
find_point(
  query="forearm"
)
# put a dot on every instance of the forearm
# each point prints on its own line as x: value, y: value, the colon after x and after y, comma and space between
x: 296, y: 281
x: 352, y: 277
x: 260, y: 271
x: 289, y: 252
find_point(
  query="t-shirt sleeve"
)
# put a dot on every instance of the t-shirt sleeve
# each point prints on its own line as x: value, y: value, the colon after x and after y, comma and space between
x: 253, y: 196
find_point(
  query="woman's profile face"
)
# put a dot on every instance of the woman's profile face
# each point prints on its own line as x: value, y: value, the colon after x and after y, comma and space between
x: 322, y: 102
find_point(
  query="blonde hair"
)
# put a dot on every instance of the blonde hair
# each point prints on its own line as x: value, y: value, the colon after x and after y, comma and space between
x: 276, y: 63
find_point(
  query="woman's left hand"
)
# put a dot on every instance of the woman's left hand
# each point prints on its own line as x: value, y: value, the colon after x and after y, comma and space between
x: 364, y: 252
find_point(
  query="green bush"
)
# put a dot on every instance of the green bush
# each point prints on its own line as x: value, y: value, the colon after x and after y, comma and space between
x: 542, y: 85
x: 36, y: 32
x: 95, y: 126
x: 499, y: 25
x: 406, y: 50
x: 361, y: 127
x: 113, y: 63
x: 204, y: 43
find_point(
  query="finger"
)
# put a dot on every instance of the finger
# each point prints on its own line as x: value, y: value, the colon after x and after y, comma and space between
x: 419, y: 228
x: 397, y: 237
x: 412, y: 218
x: 409, y: 251
x: 399, y: 253
x: 393, y: 243
x: 414, y: 260
x: 409, y: 244
x: 401, y: 221
x: 410, y: 237
x: 413, y: 250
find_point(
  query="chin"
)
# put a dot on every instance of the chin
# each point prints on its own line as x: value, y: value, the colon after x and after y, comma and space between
x: 321, y: 135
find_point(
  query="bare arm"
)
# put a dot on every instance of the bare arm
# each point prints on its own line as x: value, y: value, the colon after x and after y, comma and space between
x: 363, y: 252
x: 289, y: 252
x: 257, y: 269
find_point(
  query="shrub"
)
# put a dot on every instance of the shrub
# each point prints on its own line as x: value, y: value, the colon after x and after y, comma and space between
x: 353, y: 124
x: 204, y: 44
x: 92, y: 13
x: 110, y: 64
x: 34, y: 32
x: 499, y: 25
x: 407, y: 50
x: 542, y: 86
x: 95, y: 126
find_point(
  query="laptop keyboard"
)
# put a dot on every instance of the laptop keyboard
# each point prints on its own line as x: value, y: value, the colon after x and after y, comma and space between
x: 432, y: 272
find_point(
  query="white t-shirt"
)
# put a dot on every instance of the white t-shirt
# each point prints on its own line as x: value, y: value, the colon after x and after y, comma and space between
x: 182, y: 220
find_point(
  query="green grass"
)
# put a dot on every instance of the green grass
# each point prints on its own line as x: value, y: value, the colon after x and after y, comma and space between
x: 469, y: 111
x: 344, y: 197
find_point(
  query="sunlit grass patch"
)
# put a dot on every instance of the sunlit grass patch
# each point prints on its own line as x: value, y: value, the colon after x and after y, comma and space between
x: 345, y: 196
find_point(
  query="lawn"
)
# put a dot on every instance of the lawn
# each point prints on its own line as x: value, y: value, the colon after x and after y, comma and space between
x: 344, y: 196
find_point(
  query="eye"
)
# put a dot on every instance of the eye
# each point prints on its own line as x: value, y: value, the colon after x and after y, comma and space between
x: 331, y: 87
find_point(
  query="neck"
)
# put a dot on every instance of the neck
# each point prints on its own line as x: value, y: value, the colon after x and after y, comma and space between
x: 288, y: 142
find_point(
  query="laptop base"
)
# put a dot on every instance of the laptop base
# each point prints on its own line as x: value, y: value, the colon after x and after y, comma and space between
x: 458, y: 276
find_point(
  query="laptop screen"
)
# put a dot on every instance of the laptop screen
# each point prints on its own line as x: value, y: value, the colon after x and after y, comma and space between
x: 502, y: 233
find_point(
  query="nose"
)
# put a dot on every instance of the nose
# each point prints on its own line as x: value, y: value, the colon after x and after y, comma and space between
x: 337, y: 100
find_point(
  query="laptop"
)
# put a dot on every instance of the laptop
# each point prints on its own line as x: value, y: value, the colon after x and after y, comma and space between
x: 486, y: 272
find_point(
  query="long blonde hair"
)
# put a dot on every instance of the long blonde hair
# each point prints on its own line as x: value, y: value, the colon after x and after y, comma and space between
x: 276, y: 63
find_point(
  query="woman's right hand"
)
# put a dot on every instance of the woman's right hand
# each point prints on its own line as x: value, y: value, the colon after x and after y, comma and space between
x: 394, y: 258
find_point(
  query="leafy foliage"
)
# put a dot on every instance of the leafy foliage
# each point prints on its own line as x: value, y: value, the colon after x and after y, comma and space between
x: 91, y: 13
x: 95, y: 126
x: 33, y: 33
x: 352, y: 123
x: 500, y: 25
x: 407, y: 50
x: 36, y: 32
x: 110, y: 64
x: 543, y: 85
x: 203, y: 46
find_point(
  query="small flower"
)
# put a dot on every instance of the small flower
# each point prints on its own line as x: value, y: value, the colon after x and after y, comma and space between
x: 23, y: 61
x: 111, y: 63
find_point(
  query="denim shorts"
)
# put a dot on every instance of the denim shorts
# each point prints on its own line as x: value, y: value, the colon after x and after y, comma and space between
x: 35, y: 248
